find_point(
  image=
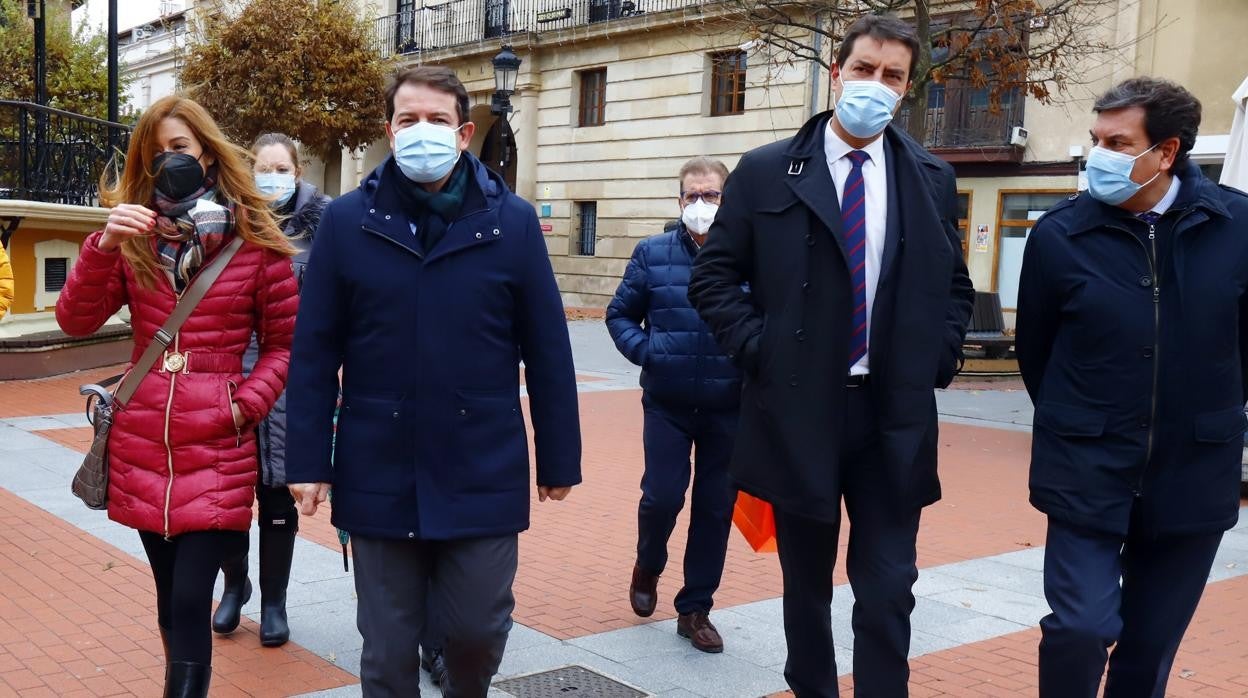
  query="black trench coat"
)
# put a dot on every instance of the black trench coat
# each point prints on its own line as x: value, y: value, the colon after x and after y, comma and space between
x: 779, y: 230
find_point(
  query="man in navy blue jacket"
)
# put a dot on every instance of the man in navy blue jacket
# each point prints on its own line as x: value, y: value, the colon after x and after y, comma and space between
x: 1133, y: 343
x: 426, y: 287
x: 691, y: 392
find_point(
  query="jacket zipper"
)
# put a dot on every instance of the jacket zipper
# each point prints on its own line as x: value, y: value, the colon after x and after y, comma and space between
x: 173, y: 381
x: 1152, y: 415
x: 1157, y: 341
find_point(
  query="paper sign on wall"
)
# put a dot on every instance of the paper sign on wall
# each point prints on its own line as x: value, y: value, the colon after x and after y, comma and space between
x: 981, y: 238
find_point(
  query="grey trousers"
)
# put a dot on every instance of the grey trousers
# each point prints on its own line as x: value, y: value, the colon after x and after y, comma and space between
x: 473, y: 577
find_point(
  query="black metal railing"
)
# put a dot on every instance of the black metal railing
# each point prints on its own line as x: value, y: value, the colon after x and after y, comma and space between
x: 963, y: 118
x: 457, y: 22
x: 55, y: 156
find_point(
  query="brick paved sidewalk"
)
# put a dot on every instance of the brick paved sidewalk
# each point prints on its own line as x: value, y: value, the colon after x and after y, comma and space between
x: 77, y: 614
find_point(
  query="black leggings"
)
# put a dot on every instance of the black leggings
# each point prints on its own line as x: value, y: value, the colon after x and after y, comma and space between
x: 185, y: 570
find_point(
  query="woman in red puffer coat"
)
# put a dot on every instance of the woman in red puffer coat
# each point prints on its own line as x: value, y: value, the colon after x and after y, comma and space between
x: 182, y: 451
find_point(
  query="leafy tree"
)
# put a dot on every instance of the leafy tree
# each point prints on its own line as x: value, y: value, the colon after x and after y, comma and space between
x: 306, y: 68
x: 77, y: 75
x: 1006, y: 48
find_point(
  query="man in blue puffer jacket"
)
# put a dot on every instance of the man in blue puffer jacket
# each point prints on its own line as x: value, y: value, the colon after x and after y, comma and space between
x: 691, y: 391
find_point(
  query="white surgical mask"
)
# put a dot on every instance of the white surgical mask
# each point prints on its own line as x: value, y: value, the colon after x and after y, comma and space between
x: 1109, y: 175
x: 279, y: 185
x: 865, y: 107
x: 426, y: 152
x: 698, y: 216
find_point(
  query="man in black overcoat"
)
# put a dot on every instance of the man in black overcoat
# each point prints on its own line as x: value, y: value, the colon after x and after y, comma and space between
x: 858, y: 305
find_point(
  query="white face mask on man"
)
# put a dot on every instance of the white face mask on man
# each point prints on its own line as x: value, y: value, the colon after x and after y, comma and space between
x: 698, y: 216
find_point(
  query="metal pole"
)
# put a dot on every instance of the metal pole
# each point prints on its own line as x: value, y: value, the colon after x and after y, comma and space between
x: 114, y: 81
x: 41, y: 55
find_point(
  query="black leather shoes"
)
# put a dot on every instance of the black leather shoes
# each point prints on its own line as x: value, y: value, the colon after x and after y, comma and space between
x: 643, y: 592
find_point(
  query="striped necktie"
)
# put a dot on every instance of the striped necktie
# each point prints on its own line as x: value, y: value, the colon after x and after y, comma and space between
x: 1149, y: 217
x: 854, y: 228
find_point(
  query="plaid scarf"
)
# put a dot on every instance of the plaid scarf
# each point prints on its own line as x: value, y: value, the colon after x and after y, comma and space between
x: 184, y: 239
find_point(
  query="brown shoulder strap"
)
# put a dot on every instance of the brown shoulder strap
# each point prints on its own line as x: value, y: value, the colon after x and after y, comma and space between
x: 164, y: 336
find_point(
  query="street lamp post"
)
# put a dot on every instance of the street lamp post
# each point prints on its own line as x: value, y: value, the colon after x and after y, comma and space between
x: 36, y: 11
x: 114, y: 81
x: 506, y: 71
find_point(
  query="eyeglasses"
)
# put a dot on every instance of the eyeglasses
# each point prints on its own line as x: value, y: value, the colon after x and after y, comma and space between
x: 710, y: 196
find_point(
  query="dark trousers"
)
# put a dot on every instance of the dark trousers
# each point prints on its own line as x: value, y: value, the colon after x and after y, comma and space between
x: 392, y: 579
x: 669, y: 434
x: 1146, y: 613
x: 185, y: 570
x: 881, y: 567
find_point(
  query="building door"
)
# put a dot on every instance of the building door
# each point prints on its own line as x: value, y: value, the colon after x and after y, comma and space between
x: 498, y: 151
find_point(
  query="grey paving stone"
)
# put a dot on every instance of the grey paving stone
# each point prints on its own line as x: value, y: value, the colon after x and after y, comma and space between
x: 13, y: 439
x: 35, y: 423
x: 713, y: 676
x: 627, y: 644
x: 933, y: 581
x: 999, y: 603
x: 756, y: 641
x: 991, y: 572
x: 975, y: 629
x: 929, y: 613
x: 1028, y: 558
x: 768, y: 609
x: 524, y: 637
x: 922, y: 643
x: 352, y: 691
x: 30, y: 474
x: 677, y: 693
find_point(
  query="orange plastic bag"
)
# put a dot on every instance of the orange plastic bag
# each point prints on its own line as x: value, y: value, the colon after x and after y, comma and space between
x: 755, y: 520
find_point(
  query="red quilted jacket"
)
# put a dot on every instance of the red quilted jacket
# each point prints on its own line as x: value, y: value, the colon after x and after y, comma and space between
x: 176, y: 461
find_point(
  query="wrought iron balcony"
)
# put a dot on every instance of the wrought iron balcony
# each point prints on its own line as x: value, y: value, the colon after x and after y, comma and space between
x: 459, y: 22
x: 962, y: 118
x: 55, y: 156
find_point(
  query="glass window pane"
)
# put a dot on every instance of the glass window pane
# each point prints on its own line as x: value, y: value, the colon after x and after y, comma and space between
x: 964, y: 204
x: 1028, y: 207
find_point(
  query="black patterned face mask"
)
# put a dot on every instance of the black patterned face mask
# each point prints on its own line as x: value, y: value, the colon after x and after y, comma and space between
x: 178, y: 175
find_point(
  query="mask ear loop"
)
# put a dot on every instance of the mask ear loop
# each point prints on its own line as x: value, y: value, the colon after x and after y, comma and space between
x: 1154, y: 177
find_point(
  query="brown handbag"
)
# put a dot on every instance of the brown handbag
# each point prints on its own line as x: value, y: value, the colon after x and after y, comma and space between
x: 91, y: 481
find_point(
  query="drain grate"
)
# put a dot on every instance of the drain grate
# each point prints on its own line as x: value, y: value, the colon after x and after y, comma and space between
x: 567, y: 681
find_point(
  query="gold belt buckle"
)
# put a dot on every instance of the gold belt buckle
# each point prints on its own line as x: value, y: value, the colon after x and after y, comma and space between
x: 175, y: 361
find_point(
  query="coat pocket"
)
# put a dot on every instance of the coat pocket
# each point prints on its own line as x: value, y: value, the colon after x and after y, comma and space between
x: 1070, y: 421
x: 373, y: 451
x: 1220, y: 426
x: 492, y: 451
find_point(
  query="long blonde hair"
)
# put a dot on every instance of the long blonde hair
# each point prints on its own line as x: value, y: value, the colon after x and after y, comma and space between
x: 136, y: 183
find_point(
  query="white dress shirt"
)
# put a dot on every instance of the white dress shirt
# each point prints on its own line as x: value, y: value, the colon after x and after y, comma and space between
x: 875, y: 179
x: 1167, y: 201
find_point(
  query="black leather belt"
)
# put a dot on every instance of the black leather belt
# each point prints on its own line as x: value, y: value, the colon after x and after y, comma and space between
x: 859, y: 381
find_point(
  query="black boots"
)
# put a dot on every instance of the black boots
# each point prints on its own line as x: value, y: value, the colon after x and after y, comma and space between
x: 277, y: 547
x: 187, y: 680
x: 236, y: 594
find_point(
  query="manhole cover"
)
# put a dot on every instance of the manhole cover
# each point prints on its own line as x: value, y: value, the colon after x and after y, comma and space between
x: 567, y: 681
